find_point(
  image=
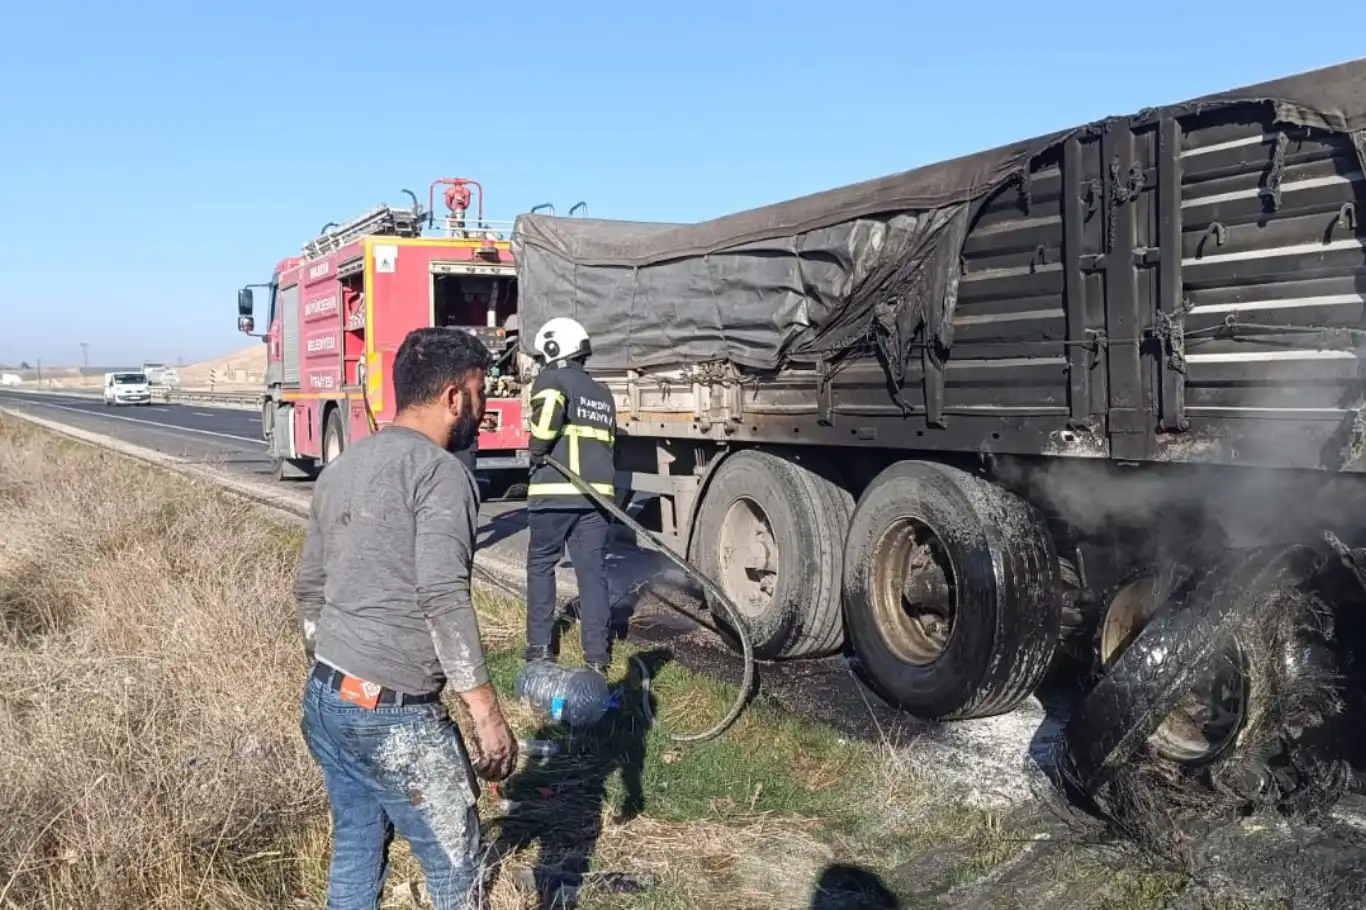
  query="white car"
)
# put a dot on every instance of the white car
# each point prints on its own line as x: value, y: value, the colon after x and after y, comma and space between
x: 126, y: 388
x: 10, y: 379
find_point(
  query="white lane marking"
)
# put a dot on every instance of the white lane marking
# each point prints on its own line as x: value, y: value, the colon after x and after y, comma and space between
x: 201, y: 414
x: 161, y: 410
x: 156, y: 423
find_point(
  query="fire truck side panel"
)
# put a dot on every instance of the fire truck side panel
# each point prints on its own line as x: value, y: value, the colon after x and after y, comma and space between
x: 321, y: 349
x: 399, y: 296
x: 289, y: 331
x: 357, y: 423
x: 396, y: 302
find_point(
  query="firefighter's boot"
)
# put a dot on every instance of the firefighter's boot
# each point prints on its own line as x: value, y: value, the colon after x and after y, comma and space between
x: 534, y: 654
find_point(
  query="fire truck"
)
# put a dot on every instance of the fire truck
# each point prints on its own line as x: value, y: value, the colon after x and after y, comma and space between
x: 337, y: 313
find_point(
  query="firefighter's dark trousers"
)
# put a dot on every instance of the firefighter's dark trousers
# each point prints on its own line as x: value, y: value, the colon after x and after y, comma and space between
x: 585, y: 532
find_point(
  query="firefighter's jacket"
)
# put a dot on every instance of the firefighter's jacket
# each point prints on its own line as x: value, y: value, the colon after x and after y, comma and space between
x: 573, y: 419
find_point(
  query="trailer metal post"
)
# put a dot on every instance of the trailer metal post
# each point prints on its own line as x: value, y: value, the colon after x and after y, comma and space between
x: 1074, y: 283
x: 1129, y: 428
x: 1171, y: 366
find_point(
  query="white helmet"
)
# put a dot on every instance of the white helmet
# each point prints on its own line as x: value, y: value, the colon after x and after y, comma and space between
x: 560, y: 339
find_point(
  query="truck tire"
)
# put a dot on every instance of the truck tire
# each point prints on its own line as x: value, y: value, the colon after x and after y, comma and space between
x: 770, y: 533
x: 334, y: 437
x: 1186, y: 639
x: 984, y: 574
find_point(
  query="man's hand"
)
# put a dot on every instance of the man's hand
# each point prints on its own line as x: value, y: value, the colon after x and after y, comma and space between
x: 497, y: 747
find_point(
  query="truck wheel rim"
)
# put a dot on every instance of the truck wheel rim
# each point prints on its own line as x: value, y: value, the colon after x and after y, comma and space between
x: 748, y: 557
x: 914, y: 591
x: 333, y: 447
x: 1208, y: 717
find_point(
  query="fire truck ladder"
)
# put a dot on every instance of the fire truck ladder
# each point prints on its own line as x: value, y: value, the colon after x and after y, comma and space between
x: 384, y: 220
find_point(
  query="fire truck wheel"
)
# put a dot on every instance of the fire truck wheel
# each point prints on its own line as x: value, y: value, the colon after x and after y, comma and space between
x: 334, y: 438
x: 952, y: 592
x: 516, y: 490
x: 770, y: 533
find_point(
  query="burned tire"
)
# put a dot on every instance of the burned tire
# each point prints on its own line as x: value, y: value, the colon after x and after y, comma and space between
x: 951, y: 592
x: 1206, y: 720
x: 770, y: 533
x: 1189, y: 640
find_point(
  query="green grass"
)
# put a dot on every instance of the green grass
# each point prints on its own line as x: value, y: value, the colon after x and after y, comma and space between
x: 768, y: 763
x: 771, y: 774
x: 1143, y: 891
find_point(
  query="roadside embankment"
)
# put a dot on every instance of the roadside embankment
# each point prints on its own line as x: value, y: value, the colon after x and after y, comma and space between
x: 151, y: 756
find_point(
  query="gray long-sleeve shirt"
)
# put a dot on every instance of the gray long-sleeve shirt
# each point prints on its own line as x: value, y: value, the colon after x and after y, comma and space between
x: 383, y: 587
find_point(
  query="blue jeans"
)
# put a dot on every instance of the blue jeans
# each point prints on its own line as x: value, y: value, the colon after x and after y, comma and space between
x: 390, y: 768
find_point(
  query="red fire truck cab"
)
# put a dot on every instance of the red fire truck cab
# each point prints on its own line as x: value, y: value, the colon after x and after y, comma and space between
x: 338, y: 313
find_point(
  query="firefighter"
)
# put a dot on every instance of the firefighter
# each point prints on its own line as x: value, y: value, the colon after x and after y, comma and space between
x: 573, y: 419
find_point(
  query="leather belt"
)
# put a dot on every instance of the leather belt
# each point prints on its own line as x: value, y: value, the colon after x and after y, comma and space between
x: 332, y: 678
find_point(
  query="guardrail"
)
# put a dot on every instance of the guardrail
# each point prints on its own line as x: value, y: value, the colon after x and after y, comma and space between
x: 244, y: 401
x: 240, y: 401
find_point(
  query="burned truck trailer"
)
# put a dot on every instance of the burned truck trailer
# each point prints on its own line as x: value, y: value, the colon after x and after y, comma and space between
x: 956, y: 419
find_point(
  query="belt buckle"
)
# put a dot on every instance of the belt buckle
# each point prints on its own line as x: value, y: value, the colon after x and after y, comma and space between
x: 360, y: 692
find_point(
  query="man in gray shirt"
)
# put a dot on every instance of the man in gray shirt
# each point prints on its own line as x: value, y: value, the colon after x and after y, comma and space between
x: 383, y: 589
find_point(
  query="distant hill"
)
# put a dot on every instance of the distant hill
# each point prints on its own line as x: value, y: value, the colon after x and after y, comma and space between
x: 242, y: 369
x: 246, y: 367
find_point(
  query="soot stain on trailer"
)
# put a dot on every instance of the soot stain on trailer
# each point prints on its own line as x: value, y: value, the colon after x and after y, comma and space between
x: 1195, y: 447
x: 1078, y: 442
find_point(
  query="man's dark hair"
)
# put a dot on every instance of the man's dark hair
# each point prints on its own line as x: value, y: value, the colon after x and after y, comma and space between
x: 431, y: 359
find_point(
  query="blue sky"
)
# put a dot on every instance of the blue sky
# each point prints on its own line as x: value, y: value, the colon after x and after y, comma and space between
x: 157, y: 156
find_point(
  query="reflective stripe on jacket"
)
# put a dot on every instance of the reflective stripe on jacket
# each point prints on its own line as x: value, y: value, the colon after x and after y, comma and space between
x: 573, y: 419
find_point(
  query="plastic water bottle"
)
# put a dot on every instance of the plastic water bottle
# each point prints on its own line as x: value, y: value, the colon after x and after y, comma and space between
x: 537, y: 748
x: 573, y: 696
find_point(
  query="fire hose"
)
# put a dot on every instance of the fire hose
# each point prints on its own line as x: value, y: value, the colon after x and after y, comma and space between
x: 730, y: 613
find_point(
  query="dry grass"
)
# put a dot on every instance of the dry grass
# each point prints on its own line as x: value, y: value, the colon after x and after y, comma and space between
x: 149, y: 665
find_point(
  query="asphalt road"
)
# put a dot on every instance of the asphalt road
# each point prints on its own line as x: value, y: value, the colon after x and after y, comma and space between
x: 229, y: 438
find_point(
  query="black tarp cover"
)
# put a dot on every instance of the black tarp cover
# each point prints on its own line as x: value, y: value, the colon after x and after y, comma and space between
x: 873, y: 262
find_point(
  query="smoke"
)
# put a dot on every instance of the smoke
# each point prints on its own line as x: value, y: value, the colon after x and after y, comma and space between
x: 1240, y: 507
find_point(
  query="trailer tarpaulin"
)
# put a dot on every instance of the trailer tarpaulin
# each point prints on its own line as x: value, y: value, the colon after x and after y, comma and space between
x: 873, y: 263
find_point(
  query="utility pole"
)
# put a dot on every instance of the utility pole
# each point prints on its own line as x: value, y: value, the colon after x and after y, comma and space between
x: 85, y: 353
x: 40, y: 372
